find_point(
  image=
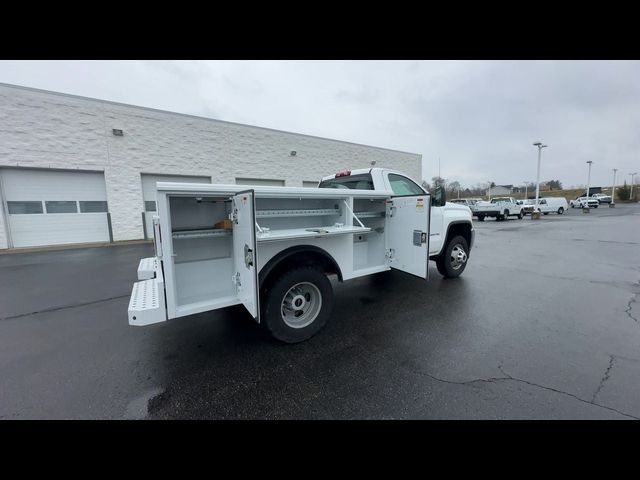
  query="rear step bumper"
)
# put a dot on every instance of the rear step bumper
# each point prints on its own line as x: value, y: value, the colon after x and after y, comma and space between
x: 147, y: 303
x: 147, y: 268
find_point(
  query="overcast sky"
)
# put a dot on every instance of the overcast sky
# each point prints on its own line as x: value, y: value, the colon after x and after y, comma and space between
x: 479, y: 117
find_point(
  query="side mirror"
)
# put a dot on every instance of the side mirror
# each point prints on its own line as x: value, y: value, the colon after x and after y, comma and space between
x: 439, y: 197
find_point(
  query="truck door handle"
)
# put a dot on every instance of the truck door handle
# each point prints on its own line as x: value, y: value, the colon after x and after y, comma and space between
x: 248, y: 256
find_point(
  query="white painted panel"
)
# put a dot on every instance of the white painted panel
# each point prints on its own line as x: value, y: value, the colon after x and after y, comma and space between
x: 149, y: 183
x: 149, y: 191
x: 27, y: 184
x: 244, y: 252
x: 260, y: 181
x: 28, y: 230
x: 406, y: 217
x: 57, y: 229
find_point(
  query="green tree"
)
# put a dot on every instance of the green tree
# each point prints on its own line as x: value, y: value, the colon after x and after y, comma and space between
x: 623, y: 192
x: 555, y: 184
x: 438, y: 181
x: 453, y: 186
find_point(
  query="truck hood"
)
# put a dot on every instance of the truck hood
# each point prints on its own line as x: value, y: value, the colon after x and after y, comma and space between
x: 453, y: 211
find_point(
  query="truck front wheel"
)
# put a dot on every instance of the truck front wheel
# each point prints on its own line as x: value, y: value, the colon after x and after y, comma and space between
x: 297, y: 305
x: 453, y: 260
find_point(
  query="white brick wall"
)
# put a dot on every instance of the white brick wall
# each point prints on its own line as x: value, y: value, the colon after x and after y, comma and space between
x: 50, y: 130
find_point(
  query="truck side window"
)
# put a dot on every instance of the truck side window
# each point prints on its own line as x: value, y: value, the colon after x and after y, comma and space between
x: 355, y: 182
x: 403, y: 186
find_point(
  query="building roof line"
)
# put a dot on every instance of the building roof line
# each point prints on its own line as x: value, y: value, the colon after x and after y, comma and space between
x: 40, y: 90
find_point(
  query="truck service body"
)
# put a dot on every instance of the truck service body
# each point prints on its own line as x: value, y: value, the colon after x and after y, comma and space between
x: 271, y: 248
x: 500, y: 207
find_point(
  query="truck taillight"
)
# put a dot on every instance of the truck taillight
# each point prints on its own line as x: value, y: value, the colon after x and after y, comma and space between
x: 344, y: 173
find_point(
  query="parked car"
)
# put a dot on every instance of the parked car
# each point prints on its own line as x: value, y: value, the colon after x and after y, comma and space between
x: 583, y: 202
x: 549, y: 205
x: 500, y: 207
x: 602, y: 198
x: 527, y: 206
x: 469, y: 202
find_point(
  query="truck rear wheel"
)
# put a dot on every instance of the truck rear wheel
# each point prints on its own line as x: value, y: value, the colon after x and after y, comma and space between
x: 453, y: 260
x: 481, y: 218
x: 298, y: 304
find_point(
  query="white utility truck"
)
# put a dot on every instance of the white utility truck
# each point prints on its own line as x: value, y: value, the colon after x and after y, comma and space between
x: 271, y: 248
x: 500, y: 207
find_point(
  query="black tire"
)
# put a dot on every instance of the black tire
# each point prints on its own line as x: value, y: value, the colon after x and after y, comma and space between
x: 546, y: 213
x: 272, y: 317
x: 560, y: 211
x: 444, y: 261
x: 506, y: 215
x: 481, y: 218
x: 595, y: 206
x: 520, y: 215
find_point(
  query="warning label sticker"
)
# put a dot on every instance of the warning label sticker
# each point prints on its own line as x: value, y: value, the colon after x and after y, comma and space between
x: 420, y: 203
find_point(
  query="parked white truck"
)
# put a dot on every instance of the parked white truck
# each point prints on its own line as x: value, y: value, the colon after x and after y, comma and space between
x: 271, y: 249
x: 500, y: 207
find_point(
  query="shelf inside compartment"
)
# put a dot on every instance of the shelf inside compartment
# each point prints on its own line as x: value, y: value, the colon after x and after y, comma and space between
x: 199, y: 233
x: 297, y: 212
x: 311, y: 232
x: 362, y: 215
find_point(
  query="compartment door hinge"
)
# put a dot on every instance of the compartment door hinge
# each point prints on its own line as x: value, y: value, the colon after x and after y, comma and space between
x: 390, y: 253
x: 235, y: 278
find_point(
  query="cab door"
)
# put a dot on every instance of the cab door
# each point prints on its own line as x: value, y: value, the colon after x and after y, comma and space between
x: 407, y: 234
x: 245, y: 277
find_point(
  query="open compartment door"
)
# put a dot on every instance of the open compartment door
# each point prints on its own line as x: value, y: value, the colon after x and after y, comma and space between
x: 244, y: 251
x: 407, y: 234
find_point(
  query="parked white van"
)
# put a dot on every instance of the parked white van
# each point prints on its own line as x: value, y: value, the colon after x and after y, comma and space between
x: 552, y: 204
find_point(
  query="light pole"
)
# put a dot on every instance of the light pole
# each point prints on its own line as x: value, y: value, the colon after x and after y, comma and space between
x: 613, y: 189
x: 526, y: 186
x: 631, y: 192
x: 589, y: 181
x: 489, y: 190
x: 540, y: 147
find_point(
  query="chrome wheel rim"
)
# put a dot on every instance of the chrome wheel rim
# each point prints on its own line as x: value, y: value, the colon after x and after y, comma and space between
x: 301, y: 305
x: 458, y: 257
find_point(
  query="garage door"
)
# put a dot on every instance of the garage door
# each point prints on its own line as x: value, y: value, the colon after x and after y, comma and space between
x: 54, y: 207
x: 149, y: 193
x: 265, y: 182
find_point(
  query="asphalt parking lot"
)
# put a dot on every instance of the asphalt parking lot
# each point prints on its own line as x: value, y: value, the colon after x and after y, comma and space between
x: 543, y: 324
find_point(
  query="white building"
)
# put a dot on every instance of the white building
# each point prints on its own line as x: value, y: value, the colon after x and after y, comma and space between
x: 500, y: 190
x: 76, y: 169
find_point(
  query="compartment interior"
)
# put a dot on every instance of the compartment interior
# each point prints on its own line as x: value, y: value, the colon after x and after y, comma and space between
x: 292, y: 213
x: 203, y: 258
x: 203, y: 254
x: 369, y: 248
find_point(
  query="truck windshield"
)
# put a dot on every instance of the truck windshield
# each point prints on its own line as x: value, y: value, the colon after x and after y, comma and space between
x: 351, y: 182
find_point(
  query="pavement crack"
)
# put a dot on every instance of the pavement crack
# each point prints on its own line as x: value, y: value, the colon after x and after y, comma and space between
x: 605, y: 377
x: 629, y: 307
x: 508, y: 377
x: 63, y: 307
